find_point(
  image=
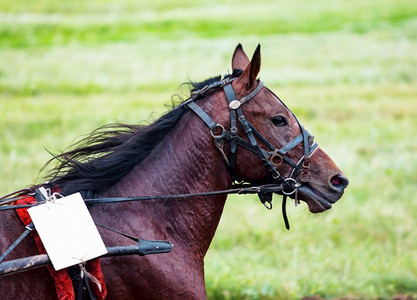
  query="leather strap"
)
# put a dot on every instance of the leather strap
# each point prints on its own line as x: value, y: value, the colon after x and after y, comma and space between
x: 28, y: 229
x: 202, y: 114
x: 231, y: 96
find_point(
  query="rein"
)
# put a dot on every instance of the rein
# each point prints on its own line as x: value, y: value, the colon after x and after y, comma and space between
x: 244, y: 189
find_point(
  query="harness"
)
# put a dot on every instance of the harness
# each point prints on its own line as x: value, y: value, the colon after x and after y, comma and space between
x: 271, y: 159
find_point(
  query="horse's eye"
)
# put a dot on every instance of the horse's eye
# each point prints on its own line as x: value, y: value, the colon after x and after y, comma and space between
x: 279, y: 121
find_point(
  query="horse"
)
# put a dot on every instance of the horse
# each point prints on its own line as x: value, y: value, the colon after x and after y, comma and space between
x: 230, y: 130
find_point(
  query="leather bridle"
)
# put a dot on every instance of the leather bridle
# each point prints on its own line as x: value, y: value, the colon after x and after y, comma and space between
x: 271, y: 159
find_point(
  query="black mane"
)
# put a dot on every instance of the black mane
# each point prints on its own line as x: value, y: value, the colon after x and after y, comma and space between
x: 199, y: 85
x: 110, y: 152
x: 106, y: 155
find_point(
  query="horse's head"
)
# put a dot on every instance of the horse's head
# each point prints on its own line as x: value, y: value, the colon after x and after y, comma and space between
x: 277, y: 147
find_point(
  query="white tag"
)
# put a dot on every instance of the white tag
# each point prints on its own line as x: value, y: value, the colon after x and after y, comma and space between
x: 67, y: 231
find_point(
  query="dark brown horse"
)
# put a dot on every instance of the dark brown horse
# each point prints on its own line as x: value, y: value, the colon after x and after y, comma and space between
x: 263, y: 143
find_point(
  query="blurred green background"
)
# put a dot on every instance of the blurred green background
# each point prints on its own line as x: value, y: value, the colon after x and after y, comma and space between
x: 348, y: 69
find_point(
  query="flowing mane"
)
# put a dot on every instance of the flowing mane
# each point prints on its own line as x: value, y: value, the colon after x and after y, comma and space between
x: 107, y: 154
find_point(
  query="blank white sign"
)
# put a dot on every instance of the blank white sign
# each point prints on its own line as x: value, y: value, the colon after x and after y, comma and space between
x: 67, y: 231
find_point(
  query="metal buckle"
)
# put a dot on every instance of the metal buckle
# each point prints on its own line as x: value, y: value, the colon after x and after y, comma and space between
x: 214, y: 135
x: 305, y: 177
x: 276, y: 159
x: 306, y: 163
x: 277, y: 175
x: 296, y: 186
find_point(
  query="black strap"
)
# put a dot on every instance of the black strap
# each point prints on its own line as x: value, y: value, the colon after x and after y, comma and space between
x: 231, y: 96
x: 284, y: 212
x: 305, y: 140
x: 145, y: 247
x: 253, y: 93
x: 28, y: 229
x: 203, y: 115
x: 81, y: 284
x: 235, y: 109
x: 239, y: 189
x: 119, y: 232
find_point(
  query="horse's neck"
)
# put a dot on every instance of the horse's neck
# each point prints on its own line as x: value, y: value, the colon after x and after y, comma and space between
x: 184, y: 162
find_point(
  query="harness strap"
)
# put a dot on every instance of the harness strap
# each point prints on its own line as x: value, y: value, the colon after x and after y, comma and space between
x: 284, y: 212
x: 145, y: 247
x: 202, y: 114
x: 218, y: 139
x: 235, y: 108
x: 252, y: 94
x: 299, y: 165
x: 28, y: 229
x: 260, y: 136
x: 305, y: 139
x: 231, y: 96
x: 241, y: 189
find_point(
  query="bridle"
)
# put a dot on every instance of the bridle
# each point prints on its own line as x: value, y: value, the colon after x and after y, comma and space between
x: 271, y: 159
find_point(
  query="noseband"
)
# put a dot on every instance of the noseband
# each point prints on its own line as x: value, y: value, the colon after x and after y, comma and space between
x: 271, y: 159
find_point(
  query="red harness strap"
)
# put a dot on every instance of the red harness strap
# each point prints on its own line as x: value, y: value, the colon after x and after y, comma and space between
x: 63, y: 282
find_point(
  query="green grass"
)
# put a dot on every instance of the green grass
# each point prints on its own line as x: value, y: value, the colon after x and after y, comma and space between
x: 348, y: 69
x: 91, y: 25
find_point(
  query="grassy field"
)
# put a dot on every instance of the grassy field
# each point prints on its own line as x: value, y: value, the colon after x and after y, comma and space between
x: 348, y: 69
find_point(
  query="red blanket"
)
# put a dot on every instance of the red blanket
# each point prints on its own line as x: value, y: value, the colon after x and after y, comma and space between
x: 63, y: 283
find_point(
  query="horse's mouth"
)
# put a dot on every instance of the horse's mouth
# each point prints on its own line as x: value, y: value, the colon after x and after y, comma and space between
x: 316, y: 201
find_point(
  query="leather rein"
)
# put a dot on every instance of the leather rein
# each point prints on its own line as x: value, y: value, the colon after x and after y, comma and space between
x: 270, y: 159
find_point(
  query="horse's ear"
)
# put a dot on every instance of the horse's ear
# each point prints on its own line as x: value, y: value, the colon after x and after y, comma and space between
x: 240, y: 60
x: 252, y: 70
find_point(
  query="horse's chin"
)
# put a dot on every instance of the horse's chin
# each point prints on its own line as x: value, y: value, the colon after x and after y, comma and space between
x: 316, y: 201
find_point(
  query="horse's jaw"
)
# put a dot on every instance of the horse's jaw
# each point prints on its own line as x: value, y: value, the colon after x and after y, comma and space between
x: 317, y: 201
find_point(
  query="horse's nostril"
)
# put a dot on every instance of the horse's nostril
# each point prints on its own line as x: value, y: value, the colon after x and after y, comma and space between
x: 339, y: 182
